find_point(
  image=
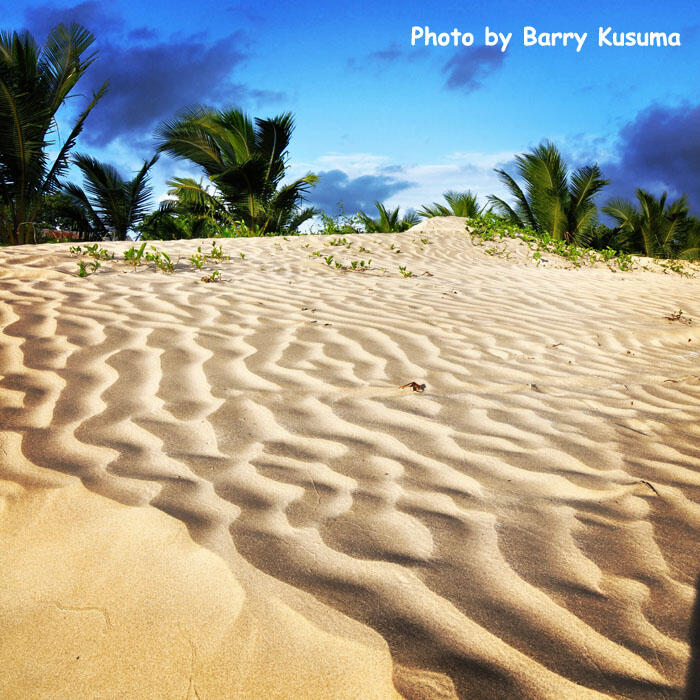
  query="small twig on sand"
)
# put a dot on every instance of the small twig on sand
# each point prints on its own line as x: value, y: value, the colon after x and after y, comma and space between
x: 414, y: 385
x: 643, y: 481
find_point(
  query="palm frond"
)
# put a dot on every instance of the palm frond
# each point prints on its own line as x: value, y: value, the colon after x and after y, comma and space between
x: 523, y: 213
x: 60, y: 163
x: 244, y: 161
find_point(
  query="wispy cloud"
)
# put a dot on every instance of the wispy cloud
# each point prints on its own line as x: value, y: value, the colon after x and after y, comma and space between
x: 391, y: 54
x: 467, y: 70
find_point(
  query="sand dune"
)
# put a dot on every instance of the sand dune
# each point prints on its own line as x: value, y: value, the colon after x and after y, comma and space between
x: 220, y: 491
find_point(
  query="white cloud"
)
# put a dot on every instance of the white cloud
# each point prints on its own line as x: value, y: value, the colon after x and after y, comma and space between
x: 457, y: 171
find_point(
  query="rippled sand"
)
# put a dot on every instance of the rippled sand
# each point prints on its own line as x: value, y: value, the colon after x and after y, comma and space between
x: 220, y: 491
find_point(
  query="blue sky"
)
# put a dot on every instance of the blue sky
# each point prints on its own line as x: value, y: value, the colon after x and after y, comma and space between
x: 380, y: 119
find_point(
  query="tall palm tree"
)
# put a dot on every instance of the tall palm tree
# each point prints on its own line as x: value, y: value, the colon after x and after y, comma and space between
x: 109, y: 204
x: 34, y: 83
x: 654, y: 228
x: 387, y: 221
x: 245, y: 164
x: 553, y: 202
x: 458, y: 204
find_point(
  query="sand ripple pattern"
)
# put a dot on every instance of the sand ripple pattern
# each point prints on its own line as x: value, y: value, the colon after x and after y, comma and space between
x: 526, y: 527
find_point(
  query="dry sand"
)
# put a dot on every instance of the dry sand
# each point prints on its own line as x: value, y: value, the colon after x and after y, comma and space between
x: 220, y: 491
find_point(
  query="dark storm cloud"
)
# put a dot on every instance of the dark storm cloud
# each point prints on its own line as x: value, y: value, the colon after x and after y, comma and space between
x: 41, y: 19
x: 150, y: 80
x: 467, y: 70
x: 154, y: 82
x: 659, y: 150
x: 355, y: 193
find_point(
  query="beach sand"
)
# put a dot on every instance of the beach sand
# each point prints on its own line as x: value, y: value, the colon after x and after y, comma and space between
x: 218, y: 490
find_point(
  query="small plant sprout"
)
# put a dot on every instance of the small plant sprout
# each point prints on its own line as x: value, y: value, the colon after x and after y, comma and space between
x: 243, y: 255
x: 364, y: 250
x: 94, y: 265
x: 680, y: 316
x: 677, y: 268
x: 160, y: 259
x: 338, y: 265
x: 198, y: 259
x: 404, y: 271
x: 217, y: 253
x: 215, y: 276
x: 624, y: 262
x: 425, y: 241
x: 133, y: 255
x: 94, y: 251
x: 329, y: 260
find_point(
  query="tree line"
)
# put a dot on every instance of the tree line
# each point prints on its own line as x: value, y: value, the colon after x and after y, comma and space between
x: 243, y: 163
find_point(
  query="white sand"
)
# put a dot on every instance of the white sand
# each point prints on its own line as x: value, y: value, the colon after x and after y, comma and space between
x: 219, y: 490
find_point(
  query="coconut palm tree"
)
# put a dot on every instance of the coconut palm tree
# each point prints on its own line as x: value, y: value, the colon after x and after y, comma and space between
x: 653, y: 228
x: 387, y: 221
x: 245, y: 164
x: 34, y: 83
x: 459, y: 204
x: 551, y: 201
x: 109, y: 205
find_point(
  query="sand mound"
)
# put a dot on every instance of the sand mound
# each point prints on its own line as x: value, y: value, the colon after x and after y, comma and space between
x: 219, y: 489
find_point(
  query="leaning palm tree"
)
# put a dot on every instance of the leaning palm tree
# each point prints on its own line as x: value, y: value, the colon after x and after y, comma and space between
x: 458, y: 204
x: 654, y: 228
x: 34, y: 83
x: 551, y: 201
x: 388, y: 221
x: 245, y: 164
x: 109, y: 205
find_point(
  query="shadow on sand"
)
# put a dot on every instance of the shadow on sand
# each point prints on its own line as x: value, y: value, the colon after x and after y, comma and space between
x: 692, y: 688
